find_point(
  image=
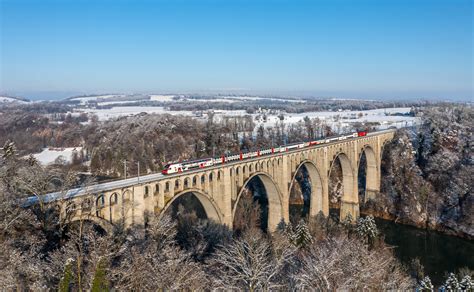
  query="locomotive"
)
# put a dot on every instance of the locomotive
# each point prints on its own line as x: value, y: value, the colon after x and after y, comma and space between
x: 179, y: 167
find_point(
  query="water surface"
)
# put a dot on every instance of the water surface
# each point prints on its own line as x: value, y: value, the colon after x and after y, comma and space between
x: 438, y: 253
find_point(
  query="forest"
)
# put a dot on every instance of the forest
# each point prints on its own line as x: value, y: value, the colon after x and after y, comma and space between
x: 427, y: 182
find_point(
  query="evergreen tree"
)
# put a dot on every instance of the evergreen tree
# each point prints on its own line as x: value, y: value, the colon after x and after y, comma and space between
x: 451, y: 283
x: 367, y: 229
x: 347, y: 223
x: 281, y: 227
x: 100, y: 281
x: 425, y: 285
x: 290, y: 233
x: 466, y: 284
x: 65, y: 283
x: 302, y: 237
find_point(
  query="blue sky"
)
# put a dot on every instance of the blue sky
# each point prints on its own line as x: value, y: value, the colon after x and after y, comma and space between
x: 346, y: 48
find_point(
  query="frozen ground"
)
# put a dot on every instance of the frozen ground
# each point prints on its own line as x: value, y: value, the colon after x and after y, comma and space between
x: 5, y: 99
x: 85, y: 99
x: 162, y: 98
x: 336, y: 119
x: 49, y: 155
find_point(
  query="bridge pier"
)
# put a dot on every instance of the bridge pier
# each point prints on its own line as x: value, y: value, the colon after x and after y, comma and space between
x: 370, y: 194
x: 349, y: 208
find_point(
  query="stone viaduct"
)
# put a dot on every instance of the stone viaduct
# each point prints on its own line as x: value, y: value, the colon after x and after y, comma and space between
x: 219, y: 188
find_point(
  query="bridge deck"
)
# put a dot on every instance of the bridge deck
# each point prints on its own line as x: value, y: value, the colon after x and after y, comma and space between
x: 123, y: 183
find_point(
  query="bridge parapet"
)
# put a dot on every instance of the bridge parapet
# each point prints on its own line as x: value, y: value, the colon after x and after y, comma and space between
x: 218, y: 188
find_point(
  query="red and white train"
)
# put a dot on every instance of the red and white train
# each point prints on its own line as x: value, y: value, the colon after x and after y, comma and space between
x: 178, y: 167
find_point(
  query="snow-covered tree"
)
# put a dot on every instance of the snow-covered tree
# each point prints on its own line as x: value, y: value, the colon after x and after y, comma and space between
x: 367, y: 229
x: 9, y: 149
x: 425, y: 285
x: 451, y: 284
x: 466, y: 284
x: 302, y: 236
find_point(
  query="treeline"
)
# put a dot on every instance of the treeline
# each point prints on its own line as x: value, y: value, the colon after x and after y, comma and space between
x: 428, y: 172
x: 42, y: 251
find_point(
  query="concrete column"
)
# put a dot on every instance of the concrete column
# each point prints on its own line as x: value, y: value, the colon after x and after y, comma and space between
x: 225, y: 204
x: 325, y: 178
x: 284, y: 185
x: 351, y: 208
x: 370, y: 194
x: 161, y: 197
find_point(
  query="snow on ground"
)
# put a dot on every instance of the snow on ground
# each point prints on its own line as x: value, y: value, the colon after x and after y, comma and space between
x: 163, y: 98
x: 121, y: 111
x: 49, y: 155
x: 254, y: 98
x: 333, y: 118
x: 86, y: 99
x: 116, y: 102
x: 213, y: 100
x: 5, y: 99
x: 339, y: 120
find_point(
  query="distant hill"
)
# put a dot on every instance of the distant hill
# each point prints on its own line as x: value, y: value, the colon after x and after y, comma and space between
x: 11, y: 99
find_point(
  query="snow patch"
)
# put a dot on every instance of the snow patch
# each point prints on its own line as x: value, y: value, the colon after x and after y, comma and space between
x: 49, y: 155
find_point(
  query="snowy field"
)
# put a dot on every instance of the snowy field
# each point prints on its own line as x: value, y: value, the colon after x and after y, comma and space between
x: 341, y: 121
x: 255, y: 98
x: 6, y: 99
x: 85, y: 99
x: 122, y: 111
x: 338, y: 119
x: 162, y: 98
x: 49, y: 155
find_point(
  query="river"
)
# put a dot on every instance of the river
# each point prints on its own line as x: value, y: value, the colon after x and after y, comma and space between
x: 438, y: 253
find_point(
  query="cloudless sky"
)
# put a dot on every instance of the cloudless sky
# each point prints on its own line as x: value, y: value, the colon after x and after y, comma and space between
x: 346, y: 48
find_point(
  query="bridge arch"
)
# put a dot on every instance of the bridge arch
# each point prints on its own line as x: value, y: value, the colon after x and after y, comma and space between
x: 208, y: 204
x: 350, y: 199
x: 317, y: 200
x: 101, y: 222
x: 372, y: 174
x: 274, y: 197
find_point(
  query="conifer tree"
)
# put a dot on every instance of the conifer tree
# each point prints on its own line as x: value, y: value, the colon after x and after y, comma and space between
x: 425, y: 285
x: 100, y: 281
x: 290, y: 232
x: 466, y: 284
x: 451, y: 284
x: 367, y: 229
x: 302, y: 235
x: 65, y: 283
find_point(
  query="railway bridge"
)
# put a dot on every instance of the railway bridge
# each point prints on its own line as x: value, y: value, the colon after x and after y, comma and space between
x: 220, y: 187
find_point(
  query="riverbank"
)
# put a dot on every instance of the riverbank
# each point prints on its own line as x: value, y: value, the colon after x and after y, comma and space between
x: 385, y: 215
x: 437, y: 252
